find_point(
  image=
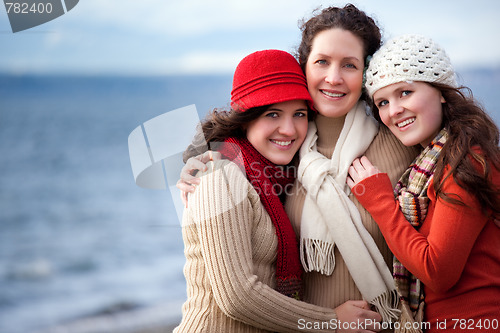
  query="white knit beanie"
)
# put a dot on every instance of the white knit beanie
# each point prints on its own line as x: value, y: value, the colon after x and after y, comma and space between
x: 409, y: 58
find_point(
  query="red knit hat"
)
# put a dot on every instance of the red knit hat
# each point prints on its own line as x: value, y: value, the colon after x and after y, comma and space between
x: 268, y: 77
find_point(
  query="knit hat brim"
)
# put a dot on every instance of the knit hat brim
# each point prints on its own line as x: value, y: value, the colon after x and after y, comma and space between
x: 409, y: 58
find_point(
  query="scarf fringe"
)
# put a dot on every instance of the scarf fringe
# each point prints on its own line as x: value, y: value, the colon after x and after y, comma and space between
x: 408, y: 323
x: 330, y: 216
x: 387, y: 304
x: 317, y: 255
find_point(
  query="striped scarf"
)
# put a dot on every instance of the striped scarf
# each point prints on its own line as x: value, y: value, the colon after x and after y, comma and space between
x: 411, y: 192
x: 270, y: 180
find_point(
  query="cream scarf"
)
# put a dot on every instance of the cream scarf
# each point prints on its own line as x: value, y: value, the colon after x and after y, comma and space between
x: 330, y: 218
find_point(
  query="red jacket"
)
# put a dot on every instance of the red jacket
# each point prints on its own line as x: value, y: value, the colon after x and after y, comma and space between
x: 455, y: 253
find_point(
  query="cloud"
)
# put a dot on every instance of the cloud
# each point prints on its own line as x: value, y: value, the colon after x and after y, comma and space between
x: 193, y: 17
x: 465, y: 29
x: 206, y: 62
x: 125, y: 36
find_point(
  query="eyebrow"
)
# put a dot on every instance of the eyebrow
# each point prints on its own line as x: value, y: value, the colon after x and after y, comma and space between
x: 322, y: 55
x: 275, y: 109
x: 397, y: 90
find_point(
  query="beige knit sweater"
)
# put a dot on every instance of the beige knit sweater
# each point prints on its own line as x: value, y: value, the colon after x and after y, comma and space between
x: 389, y: 155
x: 230, y: 247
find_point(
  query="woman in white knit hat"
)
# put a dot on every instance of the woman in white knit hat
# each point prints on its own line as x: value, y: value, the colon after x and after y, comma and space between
x: 441, y: 219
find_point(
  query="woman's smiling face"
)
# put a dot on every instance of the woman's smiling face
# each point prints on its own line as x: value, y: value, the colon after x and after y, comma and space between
x: 279, y: 132
x: 413, y: 111
x: 334, y: 72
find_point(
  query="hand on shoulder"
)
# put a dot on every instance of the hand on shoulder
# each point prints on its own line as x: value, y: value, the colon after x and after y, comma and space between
x: 187, y: 180
x: 360, y: 169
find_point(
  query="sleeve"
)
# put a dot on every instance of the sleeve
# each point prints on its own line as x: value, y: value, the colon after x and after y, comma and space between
x: 224, y: 212
x: 439, y: 258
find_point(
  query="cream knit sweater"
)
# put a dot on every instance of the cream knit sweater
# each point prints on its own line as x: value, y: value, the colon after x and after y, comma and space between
x: 230, y: 247
x: 390, y: 156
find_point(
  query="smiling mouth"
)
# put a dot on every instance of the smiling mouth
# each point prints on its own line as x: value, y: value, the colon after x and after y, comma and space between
x: 406, y: 122
x: 282, y: 143
x: 330, y: 94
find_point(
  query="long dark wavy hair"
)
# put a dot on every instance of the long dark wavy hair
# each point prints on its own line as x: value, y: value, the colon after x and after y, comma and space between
x: 348, y: 18
x: 473, y: 139
x: 221, y: 124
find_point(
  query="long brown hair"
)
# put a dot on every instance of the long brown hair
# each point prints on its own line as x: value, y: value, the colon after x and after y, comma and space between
x: 473, y: 139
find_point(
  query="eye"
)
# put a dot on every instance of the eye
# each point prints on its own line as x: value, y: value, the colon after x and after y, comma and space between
x: 350, y: 66
x: 320, y: 62
x: 271, y: 114
x: 382, y: 103
x: 301, y: 114
x: 406, y: 92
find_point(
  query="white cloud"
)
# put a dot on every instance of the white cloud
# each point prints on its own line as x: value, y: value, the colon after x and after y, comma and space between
x: 206, y: 62
x: 191, y: 17
x: 465, y: 29
x: 53, y: 39
x: 196, y: 36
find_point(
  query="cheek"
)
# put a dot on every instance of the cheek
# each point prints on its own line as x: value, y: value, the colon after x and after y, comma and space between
x: 254, y: 131
x: 312, y: 75
x: 438, y: 118
x: 302, y: 129
x: 355, y: 82
x: 433, y: 111
x: 384, y: 117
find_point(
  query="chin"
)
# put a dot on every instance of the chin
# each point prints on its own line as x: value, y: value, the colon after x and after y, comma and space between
x: 280, y: 161
x: 409, y: 142
x: 404, y: 138
x: 334, y: 113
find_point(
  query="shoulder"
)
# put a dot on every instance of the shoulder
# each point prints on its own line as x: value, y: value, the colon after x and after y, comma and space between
x: 223, y: 182
x: 386, y: 142
x: 222, y: 175
x: 450, y: 184
x: 224, y: 193
x: 480, y: 160
x: 389, y: 155
x: 215, y: 168
x: 481, y: 163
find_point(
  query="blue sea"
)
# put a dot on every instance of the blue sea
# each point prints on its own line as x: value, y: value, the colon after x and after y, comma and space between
x: 78, y: 238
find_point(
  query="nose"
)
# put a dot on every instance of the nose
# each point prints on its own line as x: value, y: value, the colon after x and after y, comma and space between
x: 287, y: 126
x: 334, y: 76
x: 395, y: 109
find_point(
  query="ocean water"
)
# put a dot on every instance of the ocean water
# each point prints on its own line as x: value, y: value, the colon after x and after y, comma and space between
x: 77, y: 236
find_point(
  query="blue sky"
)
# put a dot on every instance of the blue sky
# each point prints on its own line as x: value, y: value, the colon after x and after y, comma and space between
x: 158, y: 37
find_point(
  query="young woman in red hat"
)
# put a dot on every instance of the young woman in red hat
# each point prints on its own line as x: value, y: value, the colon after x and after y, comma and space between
x: 346, y: 259
x: 243, y: 269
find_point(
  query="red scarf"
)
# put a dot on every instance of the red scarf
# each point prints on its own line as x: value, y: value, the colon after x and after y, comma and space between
x: 270, y: 181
